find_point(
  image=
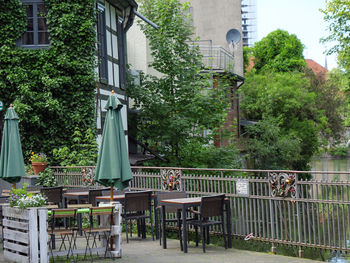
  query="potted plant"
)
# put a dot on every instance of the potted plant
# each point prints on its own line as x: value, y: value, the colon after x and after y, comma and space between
x: 39, y: 162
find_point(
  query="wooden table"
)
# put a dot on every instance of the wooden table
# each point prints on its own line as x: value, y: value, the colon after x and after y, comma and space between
x: 183, y: 204
x: 79, y: 196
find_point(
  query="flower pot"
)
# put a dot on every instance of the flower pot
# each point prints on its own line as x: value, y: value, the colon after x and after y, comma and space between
x: 38, y: 167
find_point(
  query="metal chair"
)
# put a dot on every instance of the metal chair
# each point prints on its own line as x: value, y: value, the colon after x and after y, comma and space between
x: 168, y: 211
x: 136, y: 205
x: 210, y: 206
x: 93, y: 193
x: 96, y: 231
x: 54, y: 195
x: 68, y: 230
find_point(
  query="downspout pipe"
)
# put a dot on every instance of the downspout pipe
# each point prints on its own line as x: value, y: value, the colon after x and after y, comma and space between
x: 239, y: 110
x: 145, y: 19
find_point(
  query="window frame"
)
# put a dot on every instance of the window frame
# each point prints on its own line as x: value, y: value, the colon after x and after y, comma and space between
x: 102, y: 55
x: 35, y: 44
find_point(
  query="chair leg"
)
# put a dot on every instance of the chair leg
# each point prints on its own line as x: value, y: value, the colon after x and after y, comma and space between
x: 203, y: 237
x: 126, y: 230
x: 196, y: 231
x: 207, y: 235
x: 151, y: 219
x: 223, y: 231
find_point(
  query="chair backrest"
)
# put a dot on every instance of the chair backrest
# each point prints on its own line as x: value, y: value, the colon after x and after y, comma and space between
x: 115, y: 191
x: 170, y: 195
x: 34, y: 188
x: 64, y: 213
x: 53, y: 194
x: 101, y: 210
x: 137, y: 201
x: 75, y: 190
x: 92, y: 196
x: 212, y: 205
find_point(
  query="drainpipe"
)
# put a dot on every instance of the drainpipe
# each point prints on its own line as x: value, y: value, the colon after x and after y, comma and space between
x: 239, y: 112
x: 145, y: 19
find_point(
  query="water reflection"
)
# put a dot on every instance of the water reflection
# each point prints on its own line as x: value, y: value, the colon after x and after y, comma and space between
x: 331, y: 164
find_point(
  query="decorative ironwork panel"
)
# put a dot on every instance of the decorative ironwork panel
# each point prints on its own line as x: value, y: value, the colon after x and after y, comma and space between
x: 282, y: 184
x: 88, y: 176
x: 171, y: 179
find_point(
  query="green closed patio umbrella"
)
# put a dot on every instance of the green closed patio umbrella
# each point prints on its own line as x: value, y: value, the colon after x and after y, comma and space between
x: 113, y: 167
x: 11, y: 158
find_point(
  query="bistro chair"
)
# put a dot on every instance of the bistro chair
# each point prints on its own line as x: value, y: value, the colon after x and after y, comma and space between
x: 53, y: 194
x: 93, y: 193
x: 136, y: 205
x: 211, y: 206
x: 67, y: 231
x: 96, y: 231
x: 168, y: 212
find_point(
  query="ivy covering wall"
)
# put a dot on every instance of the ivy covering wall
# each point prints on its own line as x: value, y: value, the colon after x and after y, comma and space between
x: 53, y: 89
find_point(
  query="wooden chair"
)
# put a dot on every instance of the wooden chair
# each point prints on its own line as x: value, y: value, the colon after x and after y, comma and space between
x: 136, y: 205
x: 67, y: 231
x: 168, y: 211
x: 210, y: 206
x: 96, y: 231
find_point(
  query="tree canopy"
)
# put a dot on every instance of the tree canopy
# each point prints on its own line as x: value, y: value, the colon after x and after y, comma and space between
x: 279, y: 51
x: 176, y: 108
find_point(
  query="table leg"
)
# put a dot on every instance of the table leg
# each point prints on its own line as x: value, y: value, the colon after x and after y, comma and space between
x: 156, y: 223
x: 80, y: 221
x: 163, y: 226
x: 184, y: 225
x: 228, y: 219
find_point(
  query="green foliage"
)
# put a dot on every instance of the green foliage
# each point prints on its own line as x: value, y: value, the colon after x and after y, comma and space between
x: 177, y: 107
x: 53, y: 89
x: 284, y: 100
x: 279, y: 52
x: 83, y: 151
x: 46, y: 179
x: 271, y: 148
x: 22, y: 199
x: 339, y: 151
x: 247, y: 55
x: 329, y: 102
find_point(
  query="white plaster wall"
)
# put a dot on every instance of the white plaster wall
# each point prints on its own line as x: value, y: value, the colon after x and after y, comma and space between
x: 213, y: 18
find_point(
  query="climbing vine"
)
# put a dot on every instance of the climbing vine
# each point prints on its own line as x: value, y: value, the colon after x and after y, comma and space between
x: 53, y: 89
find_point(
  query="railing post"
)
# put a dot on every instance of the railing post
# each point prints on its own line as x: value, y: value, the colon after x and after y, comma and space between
x: 297, y: 195
x: 273, y: 247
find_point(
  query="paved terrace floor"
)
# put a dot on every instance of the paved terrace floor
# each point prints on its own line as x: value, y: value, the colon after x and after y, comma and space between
x: 148, y: 251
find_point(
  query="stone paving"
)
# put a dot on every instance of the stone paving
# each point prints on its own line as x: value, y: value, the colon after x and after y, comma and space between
x: 148, y: 251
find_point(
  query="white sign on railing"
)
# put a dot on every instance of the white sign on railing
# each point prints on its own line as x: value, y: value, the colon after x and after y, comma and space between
x: 242, y: 187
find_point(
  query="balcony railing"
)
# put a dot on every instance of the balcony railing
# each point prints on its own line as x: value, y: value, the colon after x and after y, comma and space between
x: 215, y: 57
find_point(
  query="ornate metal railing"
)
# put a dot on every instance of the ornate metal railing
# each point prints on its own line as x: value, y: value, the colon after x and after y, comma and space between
x: 267, y: 205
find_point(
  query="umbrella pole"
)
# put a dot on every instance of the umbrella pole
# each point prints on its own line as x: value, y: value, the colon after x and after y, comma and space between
x: 14, y: 186
x: 111, y: 194
x: 111, y: 238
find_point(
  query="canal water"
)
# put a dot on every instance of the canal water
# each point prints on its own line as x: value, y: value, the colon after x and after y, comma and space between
x: 331, y: 164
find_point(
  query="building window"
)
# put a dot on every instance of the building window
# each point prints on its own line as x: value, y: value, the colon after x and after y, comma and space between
x: 102, y: 43
x: 36, y: 34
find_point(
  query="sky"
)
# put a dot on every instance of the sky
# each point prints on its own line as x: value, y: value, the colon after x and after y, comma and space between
x: 299, y: 17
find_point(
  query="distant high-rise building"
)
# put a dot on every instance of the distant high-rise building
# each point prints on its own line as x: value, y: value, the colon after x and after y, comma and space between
x: 249, y: 22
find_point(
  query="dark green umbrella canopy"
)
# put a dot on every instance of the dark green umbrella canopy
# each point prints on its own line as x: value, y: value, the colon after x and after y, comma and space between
x: 113, y: 167
x: 11, y: 158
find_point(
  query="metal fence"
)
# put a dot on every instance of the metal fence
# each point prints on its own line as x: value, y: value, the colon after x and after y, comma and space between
x: 271, y: 206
